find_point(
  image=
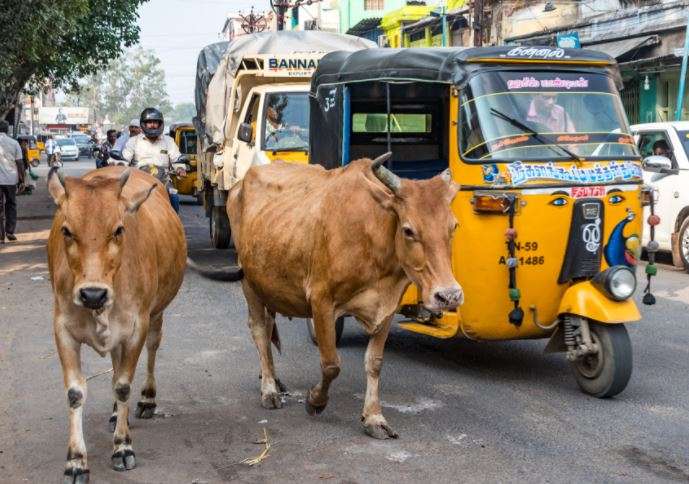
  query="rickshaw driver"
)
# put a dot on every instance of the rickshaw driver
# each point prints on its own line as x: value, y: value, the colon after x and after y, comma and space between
x: 545, y: 111
x: 153, y: 148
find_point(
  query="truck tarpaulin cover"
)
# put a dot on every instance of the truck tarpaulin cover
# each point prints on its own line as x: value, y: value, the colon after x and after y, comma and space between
x: 206, y: 66
x: 283, y: 42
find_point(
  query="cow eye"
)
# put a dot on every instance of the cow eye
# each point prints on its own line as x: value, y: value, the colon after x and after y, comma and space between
x: 66, y: 232
x: 118, y: 231
x: 408, y: 232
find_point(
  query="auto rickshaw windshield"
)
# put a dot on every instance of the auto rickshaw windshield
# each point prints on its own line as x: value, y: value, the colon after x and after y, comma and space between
x: 516, y: 115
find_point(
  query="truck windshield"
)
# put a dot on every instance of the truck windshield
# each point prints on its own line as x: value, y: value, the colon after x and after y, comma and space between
x: 512, y: 115
x: 286, y: 126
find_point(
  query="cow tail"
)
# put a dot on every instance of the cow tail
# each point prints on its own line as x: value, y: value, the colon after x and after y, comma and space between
x: 227, y: 275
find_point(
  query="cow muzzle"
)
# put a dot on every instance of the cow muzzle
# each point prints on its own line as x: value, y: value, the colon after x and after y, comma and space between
x: 92, y: 297
x: 446, y: 298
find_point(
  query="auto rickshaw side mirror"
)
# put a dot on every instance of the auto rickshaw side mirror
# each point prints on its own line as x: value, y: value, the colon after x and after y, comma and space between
x: 245, y: 133
x: 659, y: 164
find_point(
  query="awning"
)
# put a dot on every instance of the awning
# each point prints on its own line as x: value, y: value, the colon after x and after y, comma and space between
x: 618, y: 48
x: 364, y: 26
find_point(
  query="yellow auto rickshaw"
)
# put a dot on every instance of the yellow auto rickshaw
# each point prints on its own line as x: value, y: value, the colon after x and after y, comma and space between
x: 550, y: 207
x: 40, y: 141
x: 33, y: 152
x: 184, y: 135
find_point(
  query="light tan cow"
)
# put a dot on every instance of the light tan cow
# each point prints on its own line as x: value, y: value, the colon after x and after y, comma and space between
x: 116, y: 255
x: 322, y: 244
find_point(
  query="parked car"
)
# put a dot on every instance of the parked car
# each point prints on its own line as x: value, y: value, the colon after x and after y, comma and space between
x: 84, y: 144
x: 665, y: 151
x: 69, y: 150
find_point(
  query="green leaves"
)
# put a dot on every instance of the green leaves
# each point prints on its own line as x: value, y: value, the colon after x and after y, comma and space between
x: 60, y: 41
x: 125, y: 87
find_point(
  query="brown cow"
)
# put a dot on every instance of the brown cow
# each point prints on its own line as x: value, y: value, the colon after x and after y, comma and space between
x: 321, y: 244
x: 115, y: 264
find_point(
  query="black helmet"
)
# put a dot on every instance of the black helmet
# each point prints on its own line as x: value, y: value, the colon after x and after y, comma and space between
x: 151, y: 114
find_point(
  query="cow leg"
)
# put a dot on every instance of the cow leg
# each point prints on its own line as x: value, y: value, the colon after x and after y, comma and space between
x: 146, y: 407
x: 115, y: 356
x: 261, y: 325
x: 123, y: 457
x: 69, y: 350
x: 372, y: 418
x: 324, y: 323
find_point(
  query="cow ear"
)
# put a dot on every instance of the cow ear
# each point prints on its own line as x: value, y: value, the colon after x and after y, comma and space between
x: 446, y: 176
x: 56, y: 188
x: 380, y: 193
x: 135, y: 202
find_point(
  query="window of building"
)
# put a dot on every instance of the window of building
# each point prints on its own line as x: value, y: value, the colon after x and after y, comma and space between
x: 374, y: 4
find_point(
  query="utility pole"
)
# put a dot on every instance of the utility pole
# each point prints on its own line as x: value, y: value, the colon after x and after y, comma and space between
x: 683, y: 75
x: 281, y: 7
x: 478, y: 23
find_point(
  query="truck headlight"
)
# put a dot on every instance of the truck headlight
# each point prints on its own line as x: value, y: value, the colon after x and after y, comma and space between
x: 617, y: 282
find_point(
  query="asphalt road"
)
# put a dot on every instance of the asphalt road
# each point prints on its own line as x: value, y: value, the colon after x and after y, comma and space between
x: 466, y: 412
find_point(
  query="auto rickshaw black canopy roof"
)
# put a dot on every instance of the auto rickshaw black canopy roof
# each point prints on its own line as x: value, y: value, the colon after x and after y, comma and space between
x: 448, y: 65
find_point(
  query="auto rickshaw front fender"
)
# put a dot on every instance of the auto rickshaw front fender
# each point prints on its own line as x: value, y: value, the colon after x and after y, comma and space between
x: 585, y: 300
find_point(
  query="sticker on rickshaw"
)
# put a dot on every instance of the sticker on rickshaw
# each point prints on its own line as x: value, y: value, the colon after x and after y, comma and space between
x: 588, y: 192
x: 521, y: 173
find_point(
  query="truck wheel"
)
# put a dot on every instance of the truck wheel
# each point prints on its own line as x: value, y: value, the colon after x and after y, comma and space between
x: 339, y: 327
x: 220, y: 228
x: 684, y: 243
x: 606, y: 373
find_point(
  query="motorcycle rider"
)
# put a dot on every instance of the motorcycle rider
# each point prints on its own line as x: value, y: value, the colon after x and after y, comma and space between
x: 154, y: 151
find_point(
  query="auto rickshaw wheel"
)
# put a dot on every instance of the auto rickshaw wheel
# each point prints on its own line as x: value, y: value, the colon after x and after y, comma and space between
x: 219, y: 228
x: 607, y: 372
x: 35, y: 162
x: 339, y: 328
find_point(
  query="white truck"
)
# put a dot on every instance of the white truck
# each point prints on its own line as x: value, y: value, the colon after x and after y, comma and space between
x: 665, y: 150
x: 255, y: 109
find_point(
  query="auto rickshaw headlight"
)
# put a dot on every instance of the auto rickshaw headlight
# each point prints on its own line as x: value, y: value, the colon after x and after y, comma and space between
x: 617, y: 282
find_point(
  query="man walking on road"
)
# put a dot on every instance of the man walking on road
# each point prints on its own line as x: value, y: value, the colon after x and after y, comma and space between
x: 11, y: 174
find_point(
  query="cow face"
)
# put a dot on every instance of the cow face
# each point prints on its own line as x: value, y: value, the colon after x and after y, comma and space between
x: 94, y: 222
x: 424, y: 233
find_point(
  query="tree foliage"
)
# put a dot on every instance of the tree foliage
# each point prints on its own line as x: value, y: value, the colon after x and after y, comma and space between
x: 124, y: 88
x: 60, y: 41
x: 181, y: 113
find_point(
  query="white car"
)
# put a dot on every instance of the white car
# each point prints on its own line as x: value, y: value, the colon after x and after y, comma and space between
x: 69, y: 151
x: 665, y: 151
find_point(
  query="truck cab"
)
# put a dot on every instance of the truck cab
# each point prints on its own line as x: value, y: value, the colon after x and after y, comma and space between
x: 274, y: 125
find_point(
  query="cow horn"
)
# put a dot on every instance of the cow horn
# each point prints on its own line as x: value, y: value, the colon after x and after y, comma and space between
x: 389, y: 179
x: 123, y: 178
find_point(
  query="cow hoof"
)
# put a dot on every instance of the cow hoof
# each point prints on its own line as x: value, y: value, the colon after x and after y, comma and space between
x: 123, y: 460
x: 312, y: 409
x: 281, y: 386
x: 145, y: 410
x: 271, y: 401
x: 76, y: 475
x: 375, y: 426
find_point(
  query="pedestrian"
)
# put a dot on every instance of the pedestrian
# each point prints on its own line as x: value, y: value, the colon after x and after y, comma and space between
x: 11, y: 174
x: 29, y: 184
x: 105, y: 148
x: 51, y: 149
